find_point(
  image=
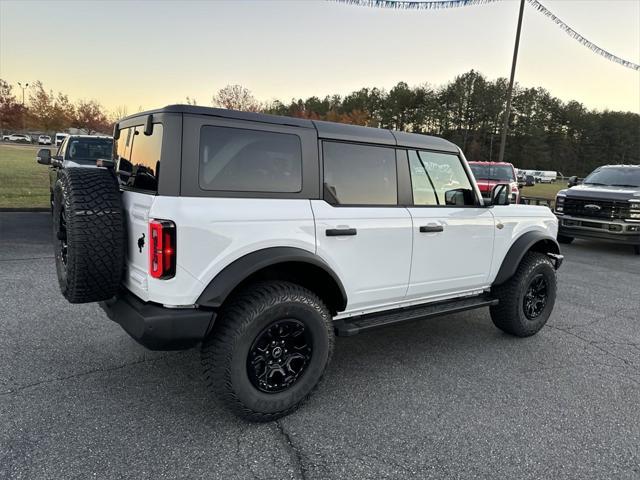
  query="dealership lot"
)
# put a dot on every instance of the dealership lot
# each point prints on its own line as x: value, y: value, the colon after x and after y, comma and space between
x: 450, y: 397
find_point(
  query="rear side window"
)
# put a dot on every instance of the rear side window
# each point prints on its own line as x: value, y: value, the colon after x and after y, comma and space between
x: 242, y: 160
x: 359, y: 174
x: 138, y: 157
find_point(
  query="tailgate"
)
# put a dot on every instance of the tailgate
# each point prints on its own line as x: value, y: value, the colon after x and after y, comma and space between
x: 137, y: 207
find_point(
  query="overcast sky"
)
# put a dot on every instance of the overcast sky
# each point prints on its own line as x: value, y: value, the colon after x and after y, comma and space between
x: 148, y: 54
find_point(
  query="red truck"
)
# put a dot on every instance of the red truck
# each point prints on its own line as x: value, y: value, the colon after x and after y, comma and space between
x: 489, y: 174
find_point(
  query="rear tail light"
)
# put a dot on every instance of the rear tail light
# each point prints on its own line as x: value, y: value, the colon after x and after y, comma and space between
x: 162, y: 249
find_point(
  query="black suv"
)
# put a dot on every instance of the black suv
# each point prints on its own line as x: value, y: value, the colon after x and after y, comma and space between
x: 606, y: 206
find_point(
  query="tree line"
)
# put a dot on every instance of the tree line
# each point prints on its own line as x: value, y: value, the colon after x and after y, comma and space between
x: 545, y: 133
x: 47, y: 111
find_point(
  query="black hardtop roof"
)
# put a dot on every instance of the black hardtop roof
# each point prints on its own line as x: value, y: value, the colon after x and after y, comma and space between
x: 326, y: 130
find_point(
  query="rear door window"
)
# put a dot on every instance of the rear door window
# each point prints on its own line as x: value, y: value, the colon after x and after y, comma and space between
x: 359, y: 174
x: 243, y: 160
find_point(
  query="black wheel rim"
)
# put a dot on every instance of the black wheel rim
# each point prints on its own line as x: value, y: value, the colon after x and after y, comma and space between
x: 535, y: 298
x: 279, y: 356
x: 62, y: 238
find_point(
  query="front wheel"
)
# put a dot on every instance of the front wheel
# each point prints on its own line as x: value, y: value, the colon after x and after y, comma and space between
x: 268, y: 350
x: 526, y: 300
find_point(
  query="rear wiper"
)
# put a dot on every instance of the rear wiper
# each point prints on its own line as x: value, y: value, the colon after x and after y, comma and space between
x: 624, y: 185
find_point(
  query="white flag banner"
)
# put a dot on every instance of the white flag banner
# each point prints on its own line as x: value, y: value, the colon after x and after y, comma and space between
x: 576, y: 36
x: 435, y: 4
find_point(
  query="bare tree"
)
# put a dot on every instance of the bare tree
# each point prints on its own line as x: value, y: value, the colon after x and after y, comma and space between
x: 119, y: 113
x: 236, y: 97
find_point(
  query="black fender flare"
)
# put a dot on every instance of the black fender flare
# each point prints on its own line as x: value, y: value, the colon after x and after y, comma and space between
x: 528, y: 241
x: 232, y: 275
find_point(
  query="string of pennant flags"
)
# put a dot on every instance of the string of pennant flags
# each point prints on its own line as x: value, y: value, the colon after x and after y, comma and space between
x: 439, y: 4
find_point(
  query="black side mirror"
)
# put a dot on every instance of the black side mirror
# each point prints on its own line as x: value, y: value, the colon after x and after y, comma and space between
x: 573, y: 181
x: 454, y: 197
x: 501, y: 194
x: 44, y: 156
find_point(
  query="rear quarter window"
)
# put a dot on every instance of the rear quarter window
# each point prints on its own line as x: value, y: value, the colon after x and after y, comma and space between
x: 138, y: 158
x: 243, y: 160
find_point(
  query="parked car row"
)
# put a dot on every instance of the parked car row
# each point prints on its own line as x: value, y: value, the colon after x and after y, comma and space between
x: 605, y: 206
x: 25, y: 138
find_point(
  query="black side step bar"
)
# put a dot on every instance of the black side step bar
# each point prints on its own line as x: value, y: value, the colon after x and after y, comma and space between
x: 350, y: 326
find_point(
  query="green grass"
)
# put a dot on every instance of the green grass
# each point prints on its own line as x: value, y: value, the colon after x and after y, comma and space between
x: 23, y: 182
x: 543, y: 190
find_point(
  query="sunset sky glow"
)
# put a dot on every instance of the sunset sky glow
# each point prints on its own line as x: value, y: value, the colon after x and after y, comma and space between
x: 148, y: 54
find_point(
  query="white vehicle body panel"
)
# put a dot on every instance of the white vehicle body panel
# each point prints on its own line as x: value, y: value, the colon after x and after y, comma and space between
x: 388, y: 264
x: 457, y: 258
x: 518, y: 220
x: 211, y: 234
x: 373, y: 265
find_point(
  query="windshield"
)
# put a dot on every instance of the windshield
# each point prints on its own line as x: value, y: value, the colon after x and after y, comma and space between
x: 618, y: 176
x: 87, y: 149
x: 493, y: 172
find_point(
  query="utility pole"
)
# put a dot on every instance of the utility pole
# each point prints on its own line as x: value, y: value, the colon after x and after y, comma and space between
x: 507, y: 111
x: 23, y: 89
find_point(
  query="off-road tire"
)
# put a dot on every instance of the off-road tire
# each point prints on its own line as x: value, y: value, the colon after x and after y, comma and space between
x: 88, y: 215
x: 509, y: 315
x: 241, y: 321
x: 564, y: 239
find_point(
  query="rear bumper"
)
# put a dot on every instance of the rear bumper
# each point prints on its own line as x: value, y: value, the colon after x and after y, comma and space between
x: 599, y: 230
x: 157, y: 327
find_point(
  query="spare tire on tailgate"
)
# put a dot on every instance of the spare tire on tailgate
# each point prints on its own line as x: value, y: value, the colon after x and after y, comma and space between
x: 88, y: 234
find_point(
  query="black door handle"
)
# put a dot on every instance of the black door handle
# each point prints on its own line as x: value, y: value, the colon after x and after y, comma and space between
x: 431, y: 228
x: 337, y: 232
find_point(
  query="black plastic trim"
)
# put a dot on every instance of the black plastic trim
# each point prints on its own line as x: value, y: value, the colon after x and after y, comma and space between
x: 347, y: 327
x: 157, y: 327
x: 340, y: 232
x: 232, y: 275
x: 518, y: 250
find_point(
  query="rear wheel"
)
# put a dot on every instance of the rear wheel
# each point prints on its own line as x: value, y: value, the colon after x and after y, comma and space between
x: 564, y: 239
x: 88, y: 234
x: 526, y: 300
x: 268, y: 350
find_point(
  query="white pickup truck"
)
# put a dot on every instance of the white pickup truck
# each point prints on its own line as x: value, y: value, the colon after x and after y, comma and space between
x: 261, y: 237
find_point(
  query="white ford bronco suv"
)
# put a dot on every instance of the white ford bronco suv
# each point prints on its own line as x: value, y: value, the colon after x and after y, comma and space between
x: 261, y: 237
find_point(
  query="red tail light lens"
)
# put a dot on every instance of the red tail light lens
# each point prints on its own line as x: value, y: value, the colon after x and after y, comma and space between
x: 162, y: 249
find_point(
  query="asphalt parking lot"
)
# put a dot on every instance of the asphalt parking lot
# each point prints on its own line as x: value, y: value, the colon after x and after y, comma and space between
x: 446, y: 398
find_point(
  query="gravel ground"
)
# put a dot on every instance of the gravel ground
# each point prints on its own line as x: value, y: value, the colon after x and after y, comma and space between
x: 446, y: 398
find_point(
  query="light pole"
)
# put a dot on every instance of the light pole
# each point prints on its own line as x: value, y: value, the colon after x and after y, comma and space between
x: 507, y: 110
x: 23, y: 89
